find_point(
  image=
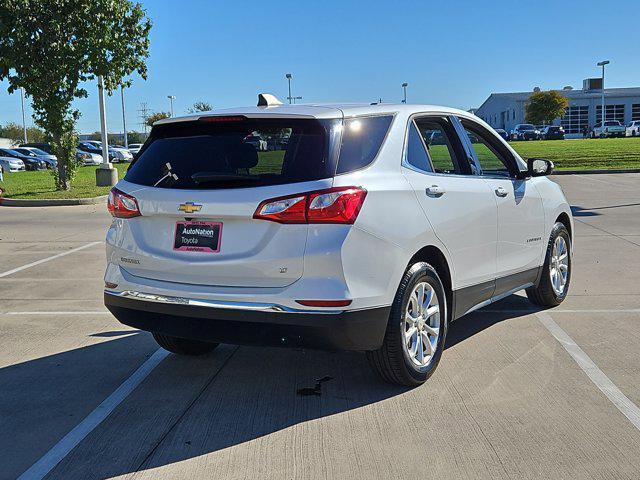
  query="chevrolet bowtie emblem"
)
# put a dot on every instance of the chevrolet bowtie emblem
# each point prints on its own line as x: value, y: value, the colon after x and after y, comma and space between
x: 189, y: 207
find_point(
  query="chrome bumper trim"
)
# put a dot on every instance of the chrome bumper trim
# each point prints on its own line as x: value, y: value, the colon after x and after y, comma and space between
x: 260, y: 307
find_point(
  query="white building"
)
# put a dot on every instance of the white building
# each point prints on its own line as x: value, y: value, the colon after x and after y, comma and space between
x: 506, y: 110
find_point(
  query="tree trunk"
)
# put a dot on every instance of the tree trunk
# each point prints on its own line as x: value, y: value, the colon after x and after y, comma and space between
x: 62, y: 180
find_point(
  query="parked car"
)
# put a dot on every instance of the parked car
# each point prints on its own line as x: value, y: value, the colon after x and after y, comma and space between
x: 135, y: 147
x: 89, y: 148
x: 503, y: 133
x: 633, y: 128
x: 373, y: 241
x: 88, y: 158
x: 30, y: 163
x: 46, y: 147
x: 33, y: 152
x: 552, y: 132
x: 539, y: 129
x: 11, y: 164
x: 611, y: 128
x: 524, y: 131
x: 116, y: 153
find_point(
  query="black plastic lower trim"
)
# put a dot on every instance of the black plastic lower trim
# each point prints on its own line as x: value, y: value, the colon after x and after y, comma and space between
x: 349, y: 330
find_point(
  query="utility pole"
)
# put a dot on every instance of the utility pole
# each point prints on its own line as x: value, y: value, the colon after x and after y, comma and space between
x: 404, y: 87
x: 124, y: 120
x: 24, y: 122
x: 604, y: 112
x: 171, y: 99
x: 144, y: 114
x: 106, y: 175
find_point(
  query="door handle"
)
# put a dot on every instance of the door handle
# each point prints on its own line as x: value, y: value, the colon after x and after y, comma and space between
x: 501, y: 192
x: 435, y: 191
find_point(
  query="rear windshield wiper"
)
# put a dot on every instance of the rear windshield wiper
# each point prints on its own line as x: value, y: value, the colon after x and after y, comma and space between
x: 208, y: 177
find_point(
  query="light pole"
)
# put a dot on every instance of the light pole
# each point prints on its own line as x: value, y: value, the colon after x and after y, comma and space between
x: 24, y: 123
x: 404, y: 87
x: 171, y: 99
x: 106, y: 175
x: 288, y: 76
x: 604, y: 114
x: 124, y: 121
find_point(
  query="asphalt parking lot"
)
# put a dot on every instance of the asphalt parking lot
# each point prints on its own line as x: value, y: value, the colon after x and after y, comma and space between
x: 519, y: 393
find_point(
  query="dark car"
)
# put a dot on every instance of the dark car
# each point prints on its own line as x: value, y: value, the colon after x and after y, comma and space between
x: 503, y: 133
x: 524, y: 131
x: 42, y: 146
x: 30, y: 163
x: 89, y: 147
x: 553, y: 132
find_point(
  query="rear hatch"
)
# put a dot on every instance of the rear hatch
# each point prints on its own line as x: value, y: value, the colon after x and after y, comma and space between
x: 206, y: 178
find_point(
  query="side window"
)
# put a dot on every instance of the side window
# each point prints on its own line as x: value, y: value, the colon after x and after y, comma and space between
x: 436, y: 136
x: 416, y: 152
x: 492, y: 161
x: 362, y: 138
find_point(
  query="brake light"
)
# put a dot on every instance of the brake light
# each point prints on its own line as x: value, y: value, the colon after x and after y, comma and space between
x: 121, y: 205
x: 222, y: 119
x: 333, y: 205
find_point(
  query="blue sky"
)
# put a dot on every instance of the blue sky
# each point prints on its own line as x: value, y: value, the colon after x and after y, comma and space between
x: 452, y: 53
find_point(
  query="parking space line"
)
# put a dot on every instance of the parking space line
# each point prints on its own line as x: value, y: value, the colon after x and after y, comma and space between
x: 48, y: 259
x: 597, y: 376
x: 61, y: 449
x: 76, y: 312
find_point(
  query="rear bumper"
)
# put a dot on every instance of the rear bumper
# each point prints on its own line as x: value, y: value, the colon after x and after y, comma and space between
x: 258, y: 325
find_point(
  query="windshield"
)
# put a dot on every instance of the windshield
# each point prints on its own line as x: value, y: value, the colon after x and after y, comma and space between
x: 527, y: 127
x: 612, y: 123
x: 37, y: 151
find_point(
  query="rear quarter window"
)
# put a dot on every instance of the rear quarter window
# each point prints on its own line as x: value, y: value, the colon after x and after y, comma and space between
x: 362, y: 138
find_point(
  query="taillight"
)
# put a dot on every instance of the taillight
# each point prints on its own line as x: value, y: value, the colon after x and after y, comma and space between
x: 333, y: 205
x: 121, y: 205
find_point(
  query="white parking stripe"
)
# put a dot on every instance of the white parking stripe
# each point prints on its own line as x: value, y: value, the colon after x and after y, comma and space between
x: 61, y: 449
x: 48, y: 259
x: 597, y: 376
x: 76, y: 312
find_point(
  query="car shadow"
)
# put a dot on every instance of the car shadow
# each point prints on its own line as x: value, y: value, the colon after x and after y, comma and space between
x: 245, y: 393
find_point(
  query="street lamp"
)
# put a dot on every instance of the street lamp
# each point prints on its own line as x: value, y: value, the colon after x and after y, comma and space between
x: 404, y: 87
x: 24, y: 123
x: 124, y: 121
x: 604, y: 114
x: 288, y: 76
x: 171, y: 99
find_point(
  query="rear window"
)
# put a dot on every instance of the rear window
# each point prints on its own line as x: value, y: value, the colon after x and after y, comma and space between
x: 243, y: 152
x: 234, y: 154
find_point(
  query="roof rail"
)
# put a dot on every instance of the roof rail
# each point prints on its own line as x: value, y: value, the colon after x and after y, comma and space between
x: 268, y: 100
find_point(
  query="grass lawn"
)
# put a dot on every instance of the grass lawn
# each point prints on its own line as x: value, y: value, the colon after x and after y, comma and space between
x: 566, y: 155
x: 598, y: 153
x: 33, y: 185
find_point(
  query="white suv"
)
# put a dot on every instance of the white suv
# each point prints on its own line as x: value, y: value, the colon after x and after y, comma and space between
x: 365, y: 228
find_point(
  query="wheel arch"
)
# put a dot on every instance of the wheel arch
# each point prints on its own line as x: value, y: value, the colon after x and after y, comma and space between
x: 564, y: 219
x: 437, y: 259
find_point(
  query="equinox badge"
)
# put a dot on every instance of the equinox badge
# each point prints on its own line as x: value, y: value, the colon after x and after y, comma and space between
x: 189, y: 207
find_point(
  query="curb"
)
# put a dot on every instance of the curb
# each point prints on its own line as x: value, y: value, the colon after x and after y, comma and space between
x: 594, y: 172
x: 54, y: 202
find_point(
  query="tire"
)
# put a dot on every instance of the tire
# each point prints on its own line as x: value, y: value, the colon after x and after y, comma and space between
x: 183, y: 346
x: 393, y: 360
x: 545, y: 294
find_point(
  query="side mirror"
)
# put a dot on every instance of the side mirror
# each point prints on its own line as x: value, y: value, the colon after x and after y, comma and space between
x: 539, y: 167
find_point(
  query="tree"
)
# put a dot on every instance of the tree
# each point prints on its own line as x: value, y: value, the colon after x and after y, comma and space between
x: 545, y: 107
x: 14, y: 132
x: 154, y: 117
x: 49, y: 47
x: 200, y: 107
